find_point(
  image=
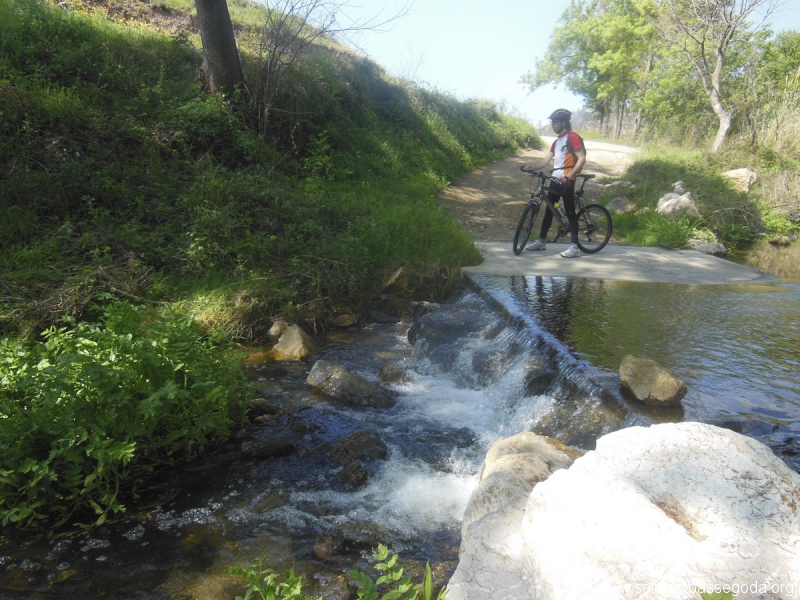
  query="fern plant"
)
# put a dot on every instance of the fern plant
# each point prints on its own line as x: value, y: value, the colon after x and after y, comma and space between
x: 396, y: 583
x: 264, y: 583
x: 267, y: 584
x: 93, y: 408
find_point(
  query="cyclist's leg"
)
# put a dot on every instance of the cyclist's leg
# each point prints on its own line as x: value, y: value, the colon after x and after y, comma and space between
x: 547, y: 217
x: 568, y: 196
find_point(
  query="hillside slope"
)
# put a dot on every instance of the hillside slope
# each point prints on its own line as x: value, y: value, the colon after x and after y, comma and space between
x: 148, y: 225
x: 125, y: 179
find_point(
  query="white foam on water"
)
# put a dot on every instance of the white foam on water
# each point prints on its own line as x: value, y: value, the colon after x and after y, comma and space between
x: 405, y: 498
x: 413, y: 498
x: 410, y: 497
x: 435, y: 399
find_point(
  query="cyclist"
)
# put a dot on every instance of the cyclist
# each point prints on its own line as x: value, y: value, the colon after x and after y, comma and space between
x: 570, y: 155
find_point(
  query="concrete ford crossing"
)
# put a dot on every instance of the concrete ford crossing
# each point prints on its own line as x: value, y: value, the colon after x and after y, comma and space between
x: 627, y: 263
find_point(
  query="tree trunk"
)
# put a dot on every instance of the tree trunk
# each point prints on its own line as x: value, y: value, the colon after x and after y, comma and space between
x: 723, y: 114
x: 219, y: 45
x: 620, y: 119
x: 724, y: 117
x: 648, y: 68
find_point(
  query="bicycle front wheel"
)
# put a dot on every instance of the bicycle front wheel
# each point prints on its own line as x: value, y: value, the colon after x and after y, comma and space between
x: 525, y: 226
x: 594, y: 228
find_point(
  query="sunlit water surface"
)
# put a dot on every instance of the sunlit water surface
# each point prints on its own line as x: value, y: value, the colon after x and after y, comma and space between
x: 736, y: 347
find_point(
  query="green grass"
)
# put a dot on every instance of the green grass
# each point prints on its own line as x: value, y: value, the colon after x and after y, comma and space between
x: 726, y: 214
x: 125, y: 175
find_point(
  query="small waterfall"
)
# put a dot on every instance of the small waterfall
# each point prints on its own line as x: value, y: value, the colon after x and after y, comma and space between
x: 523, y: 377
x: 475, y: 375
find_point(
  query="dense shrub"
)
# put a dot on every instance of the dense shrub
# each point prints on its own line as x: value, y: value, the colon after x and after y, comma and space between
x: 95, y: 405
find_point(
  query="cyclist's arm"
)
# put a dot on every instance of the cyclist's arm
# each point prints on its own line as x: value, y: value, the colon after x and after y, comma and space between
x: 581, y: 154
x: 543, y: 163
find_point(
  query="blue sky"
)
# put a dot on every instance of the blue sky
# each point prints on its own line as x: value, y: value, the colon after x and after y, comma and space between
x: 479, y: 48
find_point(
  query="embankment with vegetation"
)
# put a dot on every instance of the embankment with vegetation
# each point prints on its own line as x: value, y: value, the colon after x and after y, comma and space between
x: 725, y: 214
x: 148, y: 225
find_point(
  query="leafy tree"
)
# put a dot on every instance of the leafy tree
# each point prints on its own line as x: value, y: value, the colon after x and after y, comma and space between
x: 750, y: 87
x: 603, y: 52
x: 778, y: 110
x: 625, y: 33
x: 780, y: 59
x: 776, y: 81
x: 673, y: 104
x: 706, y: 32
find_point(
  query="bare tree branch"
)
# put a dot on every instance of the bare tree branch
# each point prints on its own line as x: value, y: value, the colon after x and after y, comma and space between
x: 290, y: 28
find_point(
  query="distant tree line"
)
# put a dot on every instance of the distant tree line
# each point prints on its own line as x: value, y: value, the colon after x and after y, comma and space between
x: 702, y: 68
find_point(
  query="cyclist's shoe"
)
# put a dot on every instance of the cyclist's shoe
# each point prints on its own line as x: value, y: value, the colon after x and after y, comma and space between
x: 571, y: 252
x: 537, y: 245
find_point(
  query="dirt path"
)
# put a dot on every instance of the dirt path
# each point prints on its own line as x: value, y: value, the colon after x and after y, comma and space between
x: 488, y: 202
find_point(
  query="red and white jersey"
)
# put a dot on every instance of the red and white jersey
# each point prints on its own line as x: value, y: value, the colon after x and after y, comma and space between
x: 563, y: 150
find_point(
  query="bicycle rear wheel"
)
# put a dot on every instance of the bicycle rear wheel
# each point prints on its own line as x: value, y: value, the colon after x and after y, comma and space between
x: 525, y: 226
x: 594, y: 228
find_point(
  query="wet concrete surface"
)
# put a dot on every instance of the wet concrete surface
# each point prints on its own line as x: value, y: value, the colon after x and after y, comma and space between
x: 614, y: 262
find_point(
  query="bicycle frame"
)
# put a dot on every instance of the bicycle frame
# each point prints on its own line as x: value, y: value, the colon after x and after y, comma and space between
x: 594, y: 221
x: 542, y: 195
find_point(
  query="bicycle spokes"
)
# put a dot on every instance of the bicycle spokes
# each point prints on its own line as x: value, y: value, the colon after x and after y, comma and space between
x: 594, y: 228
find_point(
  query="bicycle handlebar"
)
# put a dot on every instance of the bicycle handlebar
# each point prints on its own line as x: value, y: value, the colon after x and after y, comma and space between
x: 542, y: 174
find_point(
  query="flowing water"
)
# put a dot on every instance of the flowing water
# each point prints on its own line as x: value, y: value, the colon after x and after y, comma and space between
x: 523, y: 354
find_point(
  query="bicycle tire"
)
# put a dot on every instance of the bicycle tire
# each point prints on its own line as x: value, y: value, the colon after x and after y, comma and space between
x: 524, y: 227
x: 594, y: 228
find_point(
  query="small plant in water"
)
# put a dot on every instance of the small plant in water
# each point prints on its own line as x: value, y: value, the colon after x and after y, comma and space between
x: 398, y: 586
x: 722, y: 595
x: 266, y: 584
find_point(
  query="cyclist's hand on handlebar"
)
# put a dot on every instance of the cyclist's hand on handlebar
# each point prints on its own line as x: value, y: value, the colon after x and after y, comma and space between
x: 526, y: 169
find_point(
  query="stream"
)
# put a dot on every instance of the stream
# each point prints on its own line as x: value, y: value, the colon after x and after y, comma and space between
x: 514, y: 354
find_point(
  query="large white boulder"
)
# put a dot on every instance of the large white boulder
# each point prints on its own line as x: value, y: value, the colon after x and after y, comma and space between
x: 654, y: 513
x: 490, y: 559
x: 676, y: 205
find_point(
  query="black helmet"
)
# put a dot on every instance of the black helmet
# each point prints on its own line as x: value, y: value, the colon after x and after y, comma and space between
x: 560, y: 114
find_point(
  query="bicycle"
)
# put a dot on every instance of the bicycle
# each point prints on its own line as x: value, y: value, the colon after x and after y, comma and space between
x: 594, y: 221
